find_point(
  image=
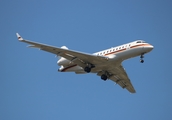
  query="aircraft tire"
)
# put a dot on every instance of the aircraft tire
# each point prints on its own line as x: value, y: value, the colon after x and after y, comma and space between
x: 142, y: 61
x: 104, y: 77
x: 87, y: 69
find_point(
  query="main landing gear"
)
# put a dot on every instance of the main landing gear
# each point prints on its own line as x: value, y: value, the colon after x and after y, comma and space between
x: 104, y: 77
x: 88, y: 68
x: 141, y: 58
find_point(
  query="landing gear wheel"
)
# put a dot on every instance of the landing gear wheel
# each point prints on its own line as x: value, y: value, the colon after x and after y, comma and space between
x: 104, y: 77
x: 141, y: 58
x: 87, y: 69
x: 142, y: 61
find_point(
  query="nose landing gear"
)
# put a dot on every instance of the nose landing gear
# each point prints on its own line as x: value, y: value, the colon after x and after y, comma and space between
x: 141, y: 58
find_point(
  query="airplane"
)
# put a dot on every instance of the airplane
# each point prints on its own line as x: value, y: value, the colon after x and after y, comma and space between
x: 106, y: 63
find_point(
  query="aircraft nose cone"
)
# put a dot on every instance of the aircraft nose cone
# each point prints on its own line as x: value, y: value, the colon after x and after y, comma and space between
x: 151, y: 47
x: 148, y: 48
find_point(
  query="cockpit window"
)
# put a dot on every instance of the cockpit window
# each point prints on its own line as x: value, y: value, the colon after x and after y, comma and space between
x: 140, y: 41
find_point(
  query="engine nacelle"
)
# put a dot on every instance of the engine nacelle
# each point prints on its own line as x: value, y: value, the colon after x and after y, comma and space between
x: 63, y: 61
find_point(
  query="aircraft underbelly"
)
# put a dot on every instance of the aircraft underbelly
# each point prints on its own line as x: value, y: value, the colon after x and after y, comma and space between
x: 132, y: 52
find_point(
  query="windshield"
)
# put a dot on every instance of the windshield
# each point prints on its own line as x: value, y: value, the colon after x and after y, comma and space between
x: 140, y: 41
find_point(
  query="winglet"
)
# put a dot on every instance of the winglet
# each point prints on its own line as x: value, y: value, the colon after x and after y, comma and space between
x: 19, y: 37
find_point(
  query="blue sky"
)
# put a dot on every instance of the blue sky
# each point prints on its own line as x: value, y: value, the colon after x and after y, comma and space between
x: 31, y: 87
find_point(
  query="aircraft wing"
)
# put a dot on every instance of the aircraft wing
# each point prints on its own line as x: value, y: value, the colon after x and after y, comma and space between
x: 79, y: 58
x: 120, y: 76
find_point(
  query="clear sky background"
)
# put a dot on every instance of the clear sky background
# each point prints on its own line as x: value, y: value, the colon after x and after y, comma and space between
x: 32, y: 89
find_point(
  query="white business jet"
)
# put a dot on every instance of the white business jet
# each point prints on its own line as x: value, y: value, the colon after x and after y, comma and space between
x: 107, y: 63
